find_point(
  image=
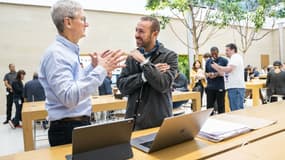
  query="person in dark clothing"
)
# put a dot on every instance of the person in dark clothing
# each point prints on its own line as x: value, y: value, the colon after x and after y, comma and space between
x: 247, y: 73
x: 8, y: 79
x: 215, y: 83
x: 180, y: 84
x: 148, y: 76
x: 33, y: 90
x: 275, y: 81
x: 18, y: 98
x: 255, y: 73
x: 105, y: 88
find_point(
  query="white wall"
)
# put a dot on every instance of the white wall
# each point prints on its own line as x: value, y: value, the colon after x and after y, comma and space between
x: 27, y: 30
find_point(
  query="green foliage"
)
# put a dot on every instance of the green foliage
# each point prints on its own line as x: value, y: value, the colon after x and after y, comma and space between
x: 254, y: 12
x: 280, y: 13
x: 183, y: 65
x: 221, y: 13
x: 227, y: 11
x: 179, y: 5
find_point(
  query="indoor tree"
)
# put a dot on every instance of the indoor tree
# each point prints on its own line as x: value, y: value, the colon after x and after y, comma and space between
x: 193, y: 14
x: 247, y: 18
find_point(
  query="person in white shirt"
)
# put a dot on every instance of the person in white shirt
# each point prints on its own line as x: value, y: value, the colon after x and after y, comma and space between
x: 233, y: 76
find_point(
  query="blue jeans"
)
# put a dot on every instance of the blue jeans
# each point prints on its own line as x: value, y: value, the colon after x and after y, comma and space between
x: 18, y: 114
x: 236, y: 98
x: 178, y: 104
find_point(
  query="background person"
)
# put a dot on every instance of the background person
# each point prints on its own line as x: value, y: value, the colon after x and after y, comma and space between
x: 215, y: 89
x: 180, y: 84
x: 105, y: 88
x: 18, y: 98
x: 8, y: 79
x: 234, y: 77
x: 198, y: 79
x: 275, y: 81
x: 33, y: 90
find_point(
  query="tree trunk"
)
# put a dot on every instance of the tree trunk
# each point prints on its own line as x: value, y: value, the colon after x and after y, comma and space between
x: 196, y: 47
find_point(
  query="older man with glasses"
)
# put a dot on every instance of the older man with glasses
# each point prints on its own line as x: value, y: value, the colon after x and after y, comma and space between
x: 67, y: 86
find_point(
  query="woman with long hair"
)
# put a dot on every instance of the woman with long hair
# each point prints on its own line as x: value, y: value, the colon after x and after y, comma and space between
x: 18, y: 98
x: 198, y: 78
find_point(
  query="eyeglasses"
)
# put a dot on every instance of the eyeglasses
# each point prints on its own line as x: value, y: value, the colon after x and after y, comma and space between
x: 82, y: 19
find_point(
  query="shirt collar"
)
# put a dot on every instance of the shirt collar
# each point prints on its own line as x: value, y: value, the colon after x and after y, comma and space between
x: 151, y: 52
x: 68, y: 44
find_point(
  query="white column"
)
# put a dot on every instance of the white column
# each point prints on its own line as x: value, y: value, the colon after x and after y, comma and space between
x: 191, y: 51
x: 281, y: 42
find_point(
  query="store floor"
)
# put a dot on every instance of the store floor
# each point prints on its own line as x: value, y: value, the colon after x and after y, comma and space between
x: 12, y: 139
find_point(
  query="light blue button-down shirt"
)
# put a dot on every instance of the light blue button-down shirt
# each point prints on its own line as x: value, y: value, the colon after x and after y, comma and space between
x: 67, y: 86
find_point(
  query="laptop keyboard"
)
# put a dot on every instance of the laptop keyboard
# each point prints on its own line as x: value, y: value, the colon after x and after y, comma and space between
x: 147, y: 144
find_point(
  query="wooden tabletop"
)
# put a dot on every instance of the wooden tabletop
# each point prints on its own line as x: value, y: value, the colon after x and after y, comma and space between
x: 269, y: 148
x: 196, y: 149
x: 36, y: 110
x: 108, y: 102
x: 255, y: 86
x: 255, y: 83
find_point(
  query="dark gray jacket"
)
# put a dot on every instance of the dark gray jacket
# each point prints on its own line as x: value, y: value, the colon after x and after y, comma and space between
x: 149, y: 102
x: 275, y: 83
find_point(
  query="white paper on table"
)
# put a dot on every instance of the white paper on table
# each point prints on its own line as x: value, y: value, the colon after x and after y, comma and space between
x: 218, y: 130
x: 251, y: 122
x: 227, y: 126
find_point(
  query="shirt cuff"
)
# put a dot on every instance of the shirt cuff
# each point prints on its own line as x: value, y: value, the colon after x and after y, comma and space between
x: 101, y: 70
x: 143, y: 78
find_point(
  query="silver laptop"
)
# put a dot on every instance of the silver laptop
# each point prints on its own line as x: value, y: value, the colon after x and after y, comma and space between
x: 103, y: 141
x: 174, y: 130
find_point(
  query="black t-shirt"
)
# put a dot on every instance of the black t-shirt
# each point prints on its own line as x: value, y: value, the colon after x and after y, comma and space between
x: 10, y: 77
x: 218, y: 82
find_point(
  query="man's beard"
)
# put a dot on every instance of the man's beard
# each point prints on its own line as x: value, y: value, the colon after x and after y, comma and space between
x: 143, y: 44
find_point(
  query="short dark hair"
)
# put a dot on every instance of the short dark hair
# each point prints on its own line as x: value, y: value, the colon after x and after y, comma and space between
x: 232, y: 46
x: 207, y: 55
x: 19, y: 73
x: 277, y: 63
x: 155, y: 26
x: 214, y: 49
x: 35, y: 76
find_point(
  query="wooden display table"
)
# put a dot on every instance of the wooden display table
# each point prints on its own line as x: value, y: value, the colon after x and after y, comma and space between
x: 254, y: 86
x: 36, y: 111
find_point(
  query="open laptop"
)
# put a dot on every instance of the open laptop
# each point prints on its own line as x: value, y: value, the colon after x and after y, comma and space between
x: 103, y: 141
x: 173, y: 130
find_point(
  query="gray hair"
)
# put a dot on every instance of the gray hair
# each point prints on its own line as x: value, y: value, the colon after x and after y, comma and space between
x: 62, y: 9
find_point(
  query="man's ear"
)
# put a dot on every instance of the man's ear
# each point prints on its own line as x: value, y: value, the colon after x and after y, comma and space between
x: 67, y: 22
x: 155, y: 33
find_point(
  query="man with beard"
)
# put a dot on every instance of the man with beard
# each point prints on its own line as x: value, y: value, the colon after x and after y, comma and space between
x: 148, y: 76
